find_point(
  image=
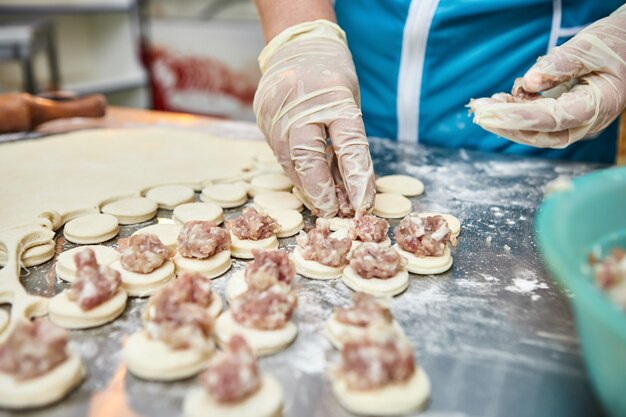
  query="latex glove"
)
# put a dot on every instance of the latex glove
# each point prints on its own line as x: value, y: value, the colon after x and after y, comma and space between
x: 309, y: 91
x: 589, y: 72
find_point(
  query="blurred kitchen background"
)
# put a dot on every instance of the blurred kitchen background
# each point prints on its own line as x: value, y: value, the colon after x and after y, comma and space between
x: 196, y: 56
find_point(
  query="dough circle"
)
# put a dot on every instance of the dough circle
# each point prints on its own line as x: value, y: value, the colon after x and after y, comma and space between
x: 339, y: 333
x: 302, y: 198
x: 143, y: 285
x: 265, y: 183
x: 391, y: 206
x: 155, y: 360
x: 166, y: 232
x: 376, y: 286
x: 277, y: 200
x: 242, y: 248
x: 33, y: 256
x: 267, y: 401
x: 225, y: 195
x: 131, y: 210
x: 262, y: 342
x: 44, y: 389
x: 290, y: 221
x: 66, y: 313
x: 338, y: 223
x: 208, y: 212
x: 169, y: 196
x: 453, y: 223
x: 392, y: 400
x: 66, y: 268
x: 314, y: 269
x: 236, y: 285
x: 400, y: 184
x: 426, y: 265
x: 4, y: 320
x: 211, y: 267
x: 91, y: 228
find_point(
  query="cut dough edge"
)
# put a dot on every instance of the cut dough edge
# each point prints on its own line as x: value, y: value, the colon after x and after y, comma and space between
x: 375, y: 286
x: 428, y: 265
x: 313, y: 269
x: 212, y: 267
x: 336, y: 332
x: 242, y: 249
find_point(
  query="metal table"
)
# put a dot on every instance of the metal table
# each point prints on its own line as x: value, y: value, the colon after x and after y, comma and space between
x: 495, y: 334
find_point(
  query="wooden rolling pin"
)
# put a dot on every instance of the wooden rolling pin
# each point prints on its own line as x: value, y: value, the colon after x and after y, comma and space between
x: 21, y: 112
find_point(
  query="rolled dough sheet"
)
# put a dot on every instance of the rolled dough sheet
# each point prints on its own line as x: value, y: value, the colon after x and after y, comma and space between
x: 391, y: 206
x: 166, y: 232
x: 225, y: 195
x: 66, y: 313
x: 375, y: 286
x: 66, y: 268
x: 211, y: 267
x: 143, y: 285
x: 277, y: 200
x: 91, y: 228
x: 269, y: 182
x: 131, y: 210
x: 290, y: 221
x: 242, y: 248
x: 208, y: 212
x: 400, y: 184
x: 169, y: 196
x: 314, y: 269
x: 35, y: 255
x: 426, y: 265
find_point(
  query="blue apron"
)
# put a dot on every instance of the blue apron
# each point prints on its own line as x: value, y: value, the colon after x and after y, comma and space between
x: 419, y: 62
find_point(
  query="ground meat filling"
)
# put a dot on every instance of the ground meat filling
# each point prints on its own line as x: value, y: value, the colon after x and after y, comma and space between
x: 33, y: 349
x: 423, y: 237
x: 144, y: 254
x: 346, y: 211
x: 201, y: 240
x: 364, y: 311
x: 252, y: 225
x: 177, y: 315
x: 317, y: 245
x: 368, y: 228
x: 232, y: 375
x: 94, y: 284
x: 376, y: 361
x: 610, y: 274
x: 371, y: 261
x: 267, y: 306
x: 270, y: 266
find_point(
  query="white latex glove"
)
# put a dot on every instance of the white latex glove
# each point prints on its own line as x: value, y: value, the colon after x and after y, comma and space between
x: 590, y: 72
x: 309, y: 91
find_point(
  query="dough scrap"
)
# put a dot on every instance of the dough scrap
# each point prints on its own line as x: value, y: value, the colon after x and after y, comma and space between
x: 169, y: 196
x: 290, y: 221
x: 314, y: 269
x: 225, y: 195
x: 262, y: 342
x: 155, y: 360
x: 66, y: 267
x: 143, y: 285
x: 277, y: 200
x: 91, y: 228
x: 131, y: 210
x: 338, y: 333
x: 375, y: 286
x: 33, y: 256
x: 267, y: 401
x: 66, y: 313
x: 427, y: 265
x: 208, y: 212
x: 400, y: 184
x: 391, y: 206
x: 242, y: 248
x: 211, y: 267
x: 269, y: 182
x: 236, y: 285
x: 166, y: 232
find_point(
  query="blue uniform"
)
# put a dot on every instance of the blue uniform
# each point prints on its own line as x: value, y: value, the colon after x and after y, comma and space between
x: 419, y: 62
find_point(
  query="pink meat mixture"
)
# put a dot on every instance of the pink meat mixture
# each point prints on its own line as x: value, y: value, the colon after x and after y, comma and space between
x: 201, y: 240
x: 268, y: 268
x: 252, y: 225
x: 317, y: 245
x: 364, y: 311
x: 423, y: 237
x: 94, y: 284
x: 266, y: 309
x: 368, y: 228
x: 144, y: 254
x: 371, y: 261
x: 611, y: 271
x: 346, y: 211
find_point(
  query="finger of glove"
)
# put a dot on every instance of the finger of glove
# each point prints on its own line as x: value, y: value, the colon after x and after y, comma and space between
x: 308, y: 152
x: 347, y: 134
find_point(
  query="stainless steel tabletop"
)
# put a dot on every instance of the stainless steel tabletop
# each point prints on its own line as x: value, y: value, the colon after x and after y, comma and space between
x: 495, y: 334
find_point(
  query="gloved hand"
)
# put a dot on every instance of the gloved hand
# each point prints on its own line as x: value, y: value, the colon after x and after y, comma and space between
x: 590, y: 72
x: 309, y: 91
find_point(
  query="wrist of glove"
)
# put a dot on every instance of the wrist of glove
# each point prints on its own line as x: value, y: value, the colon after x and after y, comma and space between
x: 584, y: 85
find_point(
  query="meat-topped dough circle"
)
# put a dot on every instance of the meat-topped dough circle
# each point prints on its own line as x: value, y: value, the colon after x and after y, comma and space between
x: 169, y: 196
x: 290, y: 222
x: 131, y: 210
x: 377, y: 271
x: 166, y: 232
x: 399, y: 184
x: 252, y: 230
x: 91, y: 228
x: 66, y: 266
x: 366, y: 228
x: 203, y: 247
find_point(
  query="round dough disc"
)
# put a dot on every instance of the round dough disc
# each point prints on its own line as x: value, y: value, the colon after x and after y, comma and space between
x: 131, y: 210
x: 277, y: 200
x: 391, y: 206
x: 35, y: 255
x: 453, y: 223
x: 66, y: 268
x: 92, y: 228
x: 155, y: 360
x: 240, y: 248
x: 262, y: 342
x: 225, y: 195
x: 314, y: 269
x: 339, y: 333
x: 208, y: 212
x: 266, y: 156
x: 211, y: 267
x: 400, y: 184
x: 143, y: 285
x: 236, y: 285
x: 166, y: 232
x: 375, y: 286
x: 170, y: 196
x: 267, y: 401
x: 269, y: 182
x: 290, y: 221
x: 66, y: 313
x: 427, y: 265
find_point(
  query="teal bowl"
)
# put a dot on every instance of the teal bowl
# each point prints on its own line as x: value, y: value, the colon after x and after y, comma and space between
x: 569, y: 225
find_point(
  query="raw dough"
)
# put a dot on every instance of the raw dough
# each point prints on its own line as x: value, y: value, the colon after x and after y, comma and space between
x: 166, y: 232
x: 211, y: 267
x: 208, y: 212
x: 66, y: 313
x: 155, y: 360
x: 262, y: 342
x: 143, y: 285
x: 314, y: 269
x: 66, y: 268
x: 338, y: 333
x: 277, y: 200
x: 266, y: 402
x: 337, y: 223
x: 400, y: 184
x: 236, y: 285
x: 242, y: 249
x: 170, y: 196
x: 42, y: 390
x: 290, y: 221
x: 453, y: 223
x: 391, y: 206
x: 341, y: 233
x: 302, y: 198
x: 269, y: 182
x: 92, y: 228
x: 131, y: 210
x: 392, y: 400
x: 375, y: 286
x: 4, y: 320
x: 426, y: 265
x: 225, y: 195
x: 35, y: 255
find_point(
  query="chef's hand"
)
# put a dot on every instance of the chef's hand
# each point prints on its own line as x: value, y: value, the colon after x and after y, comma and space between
x: 309, y: 91
x: 590, y: 70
